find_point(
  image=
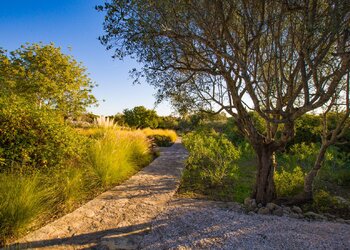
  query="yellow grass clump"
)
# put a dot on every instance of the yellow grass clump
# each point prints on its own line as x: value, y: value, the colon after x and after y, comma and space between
x: 161, y: 132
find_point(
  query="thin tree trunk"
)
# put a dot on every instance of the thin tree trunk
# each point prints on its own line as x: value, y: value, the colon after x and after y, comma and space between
x: 265, y: 187
x: 310, y: 177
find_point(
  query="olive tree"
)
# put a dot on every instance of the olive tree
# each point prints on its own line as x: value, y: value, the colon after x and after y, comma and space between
x: 279, y: 58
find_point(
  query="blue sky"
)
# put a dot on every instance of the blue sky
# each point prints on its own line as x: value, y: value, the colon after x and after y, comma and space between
x: 76, y: 24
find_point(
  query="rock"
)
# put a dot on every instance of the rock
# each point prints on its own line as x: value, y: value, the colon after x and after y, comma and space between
x: 271, y: 206
x: 247, y: 201
x: 287, y: 210
x: 278, y: 212
x: 342, y: 200
x: 260, y: 205
x: 250, y: 204
x: 251, y: 213
x: 264, y: 210
x: 330, y: 216
x: 293, y: 215
x: 315, y: 216
x: 297, y: 210
x: 347, y: 221
x: 340, y: 220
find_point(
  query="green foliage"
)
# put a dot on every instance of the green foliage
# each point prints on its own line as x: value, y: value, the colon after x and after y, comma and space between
x: 324, y: 202
x: 168, y: 122
x: 212, y: 158
x: 289, y: 183
x: 140, y: 117
x: 307, y: 129
x: 232, y: 132
x: 203, y: 120
x: 34, y: 137
x: 43, y: 75
x: 69, y: 186
x: 303, y: 155
x: 336, y: 167
x: 161, y: 140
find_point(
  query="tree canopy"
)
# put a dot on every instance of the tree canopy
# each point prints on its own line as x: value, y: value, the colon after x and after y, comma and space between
x: 140, y: 117
x: 42, y: 74
x: 279, y: 58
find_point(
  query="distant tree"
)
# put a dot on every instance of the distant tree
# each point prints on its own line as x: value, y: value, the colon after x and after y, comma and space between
x: 43, y: 75
x: 279, y: 58
x: 168, y: 122
x: 119, y: 119
x: 140, y: 117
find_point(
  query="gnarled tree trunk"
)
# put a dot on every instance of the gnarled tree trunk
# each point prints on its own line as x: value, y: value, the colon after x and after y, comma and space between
x: 265, y: 191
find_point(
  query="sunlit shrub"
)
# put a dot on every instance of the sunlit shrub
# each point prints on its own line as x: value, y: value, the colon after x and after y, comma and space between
x: 34, y: 137
x: 161, y: 137
x: 212, y: 158
x: 289, y: 183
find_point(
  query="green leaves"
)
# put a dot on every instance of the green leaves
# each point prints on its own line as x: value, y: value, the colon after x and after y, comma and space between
x: 212, y: 156
x: 140, y: 117
x: 34, y: 137
x: 43, y: 75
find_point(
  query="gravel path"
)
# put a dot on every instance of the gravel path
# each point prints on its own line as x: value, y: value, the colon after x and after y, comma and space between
x: 119, y: 217
x: 198, y: 224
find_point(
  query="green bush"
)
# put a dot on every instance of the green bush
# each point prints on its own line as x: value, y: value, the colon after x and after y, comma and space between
x: 161, y: 140
x: 289, y: 183
x: 211, y: 160
x: 34, y: 137
x: 302, y: 155
x: 336, y: 167
x: 323, y: 202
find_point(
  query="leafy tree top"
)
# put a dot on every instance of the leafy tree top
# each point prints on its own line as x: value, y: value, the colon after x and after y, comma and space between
x: 44, y: 75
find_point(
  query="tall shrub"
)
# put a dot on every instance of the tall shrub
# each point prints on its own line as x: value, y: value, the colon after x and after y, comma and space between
x: 212, y: 158
x: 34, y: 137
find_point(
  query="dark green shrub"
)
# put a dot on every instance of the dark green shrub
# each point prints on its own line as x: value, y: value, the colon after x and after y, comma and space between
x: 141, y: 117
x: 161, y: 140
x: 325, y: 203
x: 336, y: 167
x: 302, y: 155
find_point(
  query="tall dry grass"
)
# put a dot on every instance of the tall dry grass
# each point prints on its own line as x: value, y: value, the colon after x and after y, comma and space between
x: 118, y: 154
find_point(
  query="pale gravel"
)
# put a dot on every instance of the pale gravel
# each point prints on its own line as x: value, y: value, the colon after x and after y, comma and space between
x: 198, y: 224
